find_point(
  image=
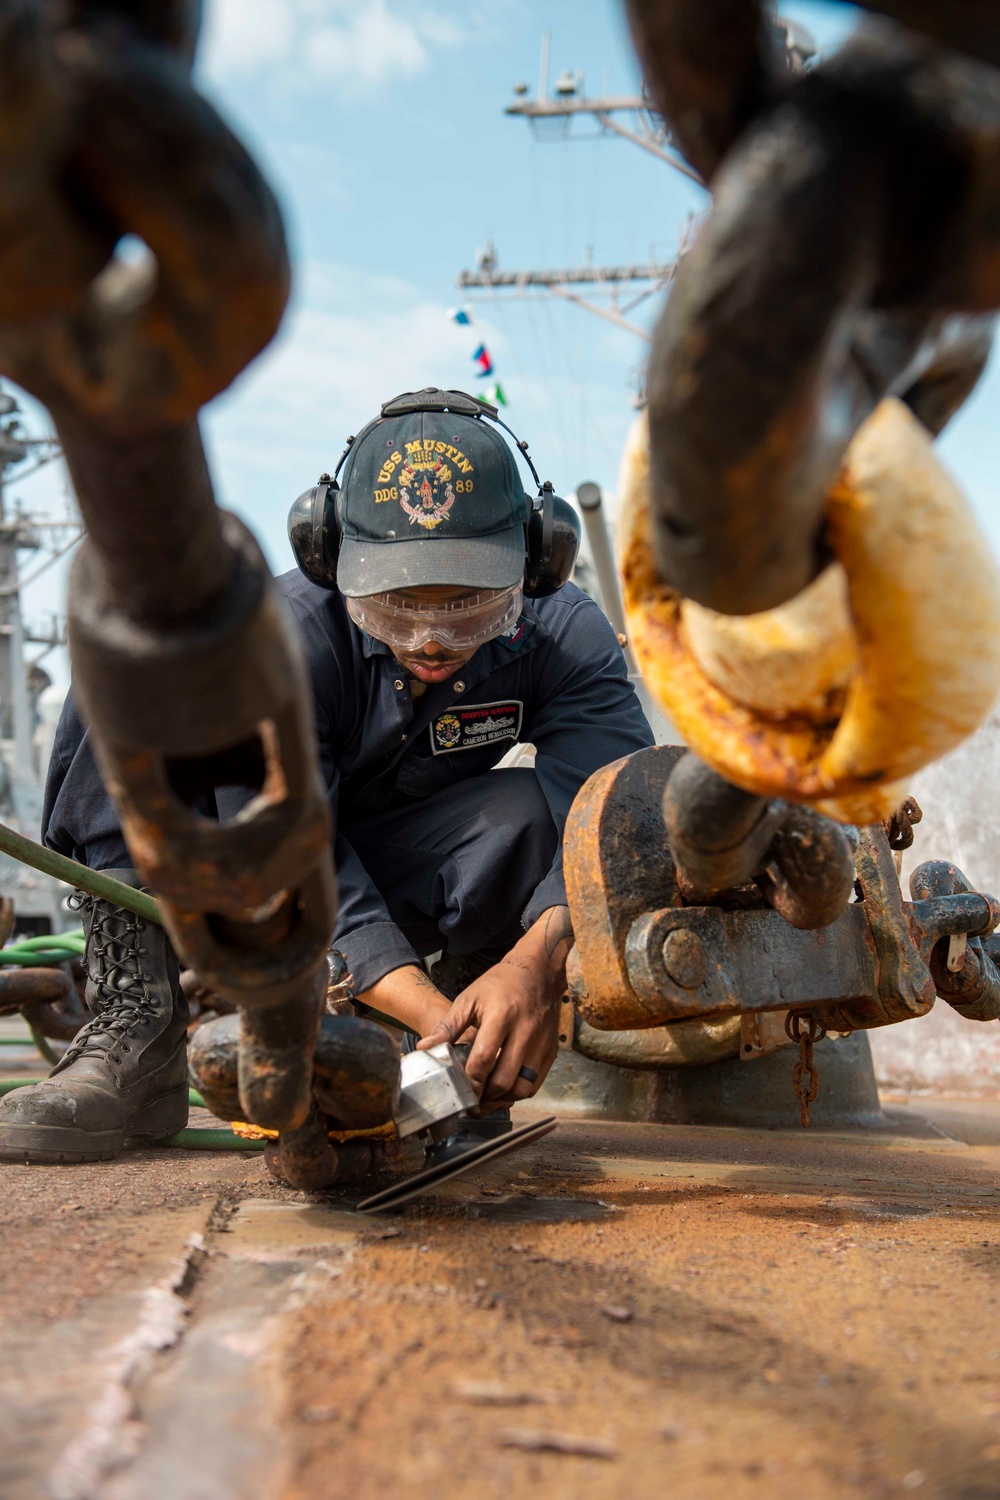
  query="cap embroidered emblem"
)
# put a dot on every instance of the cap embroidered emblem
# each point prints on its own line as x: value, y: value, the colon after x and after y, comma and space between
x: 426, y: 493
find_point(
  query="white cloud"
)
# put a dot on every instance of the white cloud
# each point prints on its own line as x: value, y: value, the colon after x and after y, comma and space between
x: 241, y: 36
x: 356, y: 43
x: 352, y: 340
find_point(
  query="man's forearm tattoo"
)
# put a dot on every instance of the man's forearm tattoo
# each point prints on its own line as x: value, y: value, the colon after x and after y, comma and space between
x: 558, y: 929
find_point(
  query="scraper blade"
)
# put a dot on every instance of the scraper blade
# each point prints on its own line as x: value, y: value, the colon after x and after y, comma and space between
x: 402, y: 1192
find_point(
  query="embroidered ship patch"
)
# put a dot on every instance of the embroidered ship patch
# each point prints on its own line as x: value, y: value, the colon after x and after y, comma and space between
x: 479, y: 724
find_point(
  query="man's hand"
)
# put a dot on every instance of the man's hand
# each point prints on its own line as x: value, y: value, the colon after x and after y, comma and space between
x: 514, y: 1008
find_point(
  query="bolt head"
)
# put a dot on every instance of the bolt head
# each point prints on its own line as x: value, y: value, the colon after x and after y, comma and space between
x: 684, y: 958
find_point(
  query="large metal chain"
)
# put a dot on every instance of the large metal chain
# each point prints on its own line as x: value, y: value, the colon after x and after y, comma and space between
x: 183, y: 664
x: 851, y: 253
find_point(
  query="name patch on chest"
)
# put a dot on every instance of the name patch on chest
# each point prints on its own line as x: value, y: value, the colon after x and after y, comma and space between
x: 479, y: 724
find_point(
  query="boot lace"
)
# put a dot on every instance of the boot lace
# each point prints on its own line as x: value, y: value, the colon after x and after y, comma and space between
x: 114, y: 963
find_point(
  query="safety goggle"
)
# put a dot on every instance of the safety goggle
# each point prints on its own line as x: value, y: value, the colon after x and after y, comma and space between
x: 406, y: 624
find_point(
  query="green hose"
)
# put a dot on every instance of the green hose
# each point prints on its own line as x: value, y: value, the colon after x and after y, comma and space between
x: 73, y: 873
x: 41, y: 1044
x: 73, y: 939
x: 212, y: 1140
x: 44, y: 952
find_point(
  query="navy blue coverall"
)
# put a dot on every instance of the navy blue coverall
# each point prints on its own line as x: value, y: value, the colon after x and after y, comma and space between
x: 432, y: 848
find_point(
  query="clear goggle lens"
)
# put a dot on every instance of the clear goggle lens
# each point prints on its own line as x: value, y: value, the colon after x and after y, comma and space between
x: 406, y: 624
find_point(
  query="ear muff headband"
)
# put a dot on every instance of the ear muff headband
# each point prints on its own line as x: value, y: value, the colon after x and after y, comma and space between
x: 552, y: 530
x: 548, y: 527
x: 319, y: 514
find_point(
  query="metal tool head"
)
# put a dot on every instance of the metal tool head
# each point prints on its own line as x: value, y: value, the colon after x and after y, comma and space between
x: 401, y: 1192
x: 433, y: 1088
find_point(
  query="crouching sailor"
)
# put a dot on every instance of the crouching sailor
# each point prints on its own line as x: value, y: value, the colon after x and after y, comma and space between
x: 441, y: 630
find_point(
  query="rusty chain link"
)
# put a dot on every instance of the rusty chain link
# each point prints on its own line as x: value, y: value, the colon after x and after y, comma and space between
x: 802, y: 1027
x: 183, y: 664
x: 48, y: 1000
x: 850, y: 253
x: 899, y: 828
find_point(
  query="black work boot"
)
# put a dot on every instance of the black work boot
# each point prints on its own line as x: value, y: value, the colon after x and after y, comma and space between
x: 124, y: 1078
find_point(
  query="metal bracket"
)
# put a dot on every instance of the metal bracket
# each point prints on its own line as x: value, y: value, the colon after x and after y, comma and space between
x: 642, y: 958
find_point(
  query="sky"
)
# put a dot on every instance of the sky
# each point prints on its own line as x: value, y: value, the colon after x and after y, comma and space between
x: 381, y: 126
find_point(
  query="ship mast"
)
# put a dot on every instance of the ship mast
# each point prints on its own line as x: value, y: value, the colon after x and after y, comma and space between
x: 556, y: 115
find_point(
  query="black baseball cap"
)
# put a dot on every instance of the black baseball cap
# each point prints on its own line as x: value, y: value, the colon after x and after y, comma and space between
x: 430, y: 496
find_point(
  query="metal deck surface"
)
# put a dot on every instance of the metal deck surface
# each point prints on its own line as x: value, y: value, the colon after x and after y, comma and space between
x: 621, y: 1309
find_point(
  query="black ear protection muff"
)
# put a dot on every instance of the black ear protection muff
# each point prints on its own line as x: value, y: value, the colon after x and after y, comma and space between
x: 551, y: 530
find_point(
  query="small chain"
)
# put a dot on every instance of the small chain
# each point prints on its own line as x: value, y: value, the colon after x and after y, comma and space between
x: 899, y: 828
x: 339, y: 985
x: 802, y: 1027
